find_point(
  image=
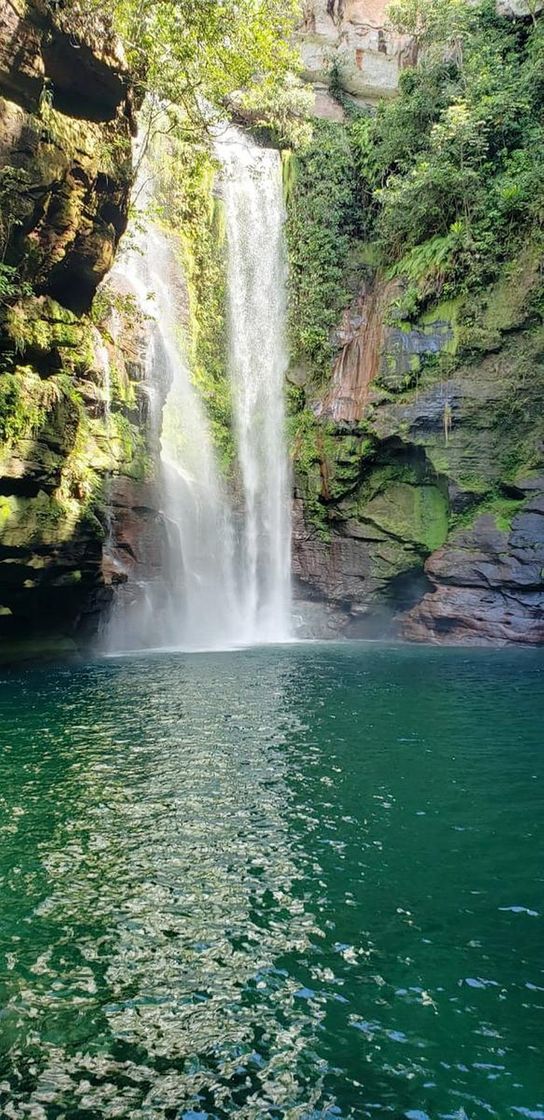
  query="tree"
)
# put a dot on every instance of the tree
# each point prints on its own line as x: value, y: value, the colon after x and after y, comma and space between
x: 193, y: 53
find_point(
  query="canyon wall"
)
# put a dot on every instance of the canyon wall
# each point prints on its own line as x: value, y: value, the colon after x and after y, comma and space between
x: 75, y: 439
x: 430, y: 487
x: 419, y: 452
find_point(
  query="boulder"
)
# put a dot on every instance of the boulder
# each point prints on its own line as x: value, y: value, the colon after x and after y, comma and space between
x: 488, y: 583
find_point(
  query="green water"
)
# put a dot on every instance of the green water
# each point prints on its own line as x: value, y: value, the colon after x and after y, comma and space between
x: 305, y: 882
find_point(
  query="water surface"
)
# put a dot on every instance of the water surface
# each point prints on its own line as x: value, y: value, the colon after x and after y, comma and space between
x: 296, y: 883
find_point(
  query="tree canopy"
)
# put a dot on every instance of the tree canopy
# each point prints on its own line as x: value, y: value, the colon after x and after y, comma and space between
x: 189, y: 53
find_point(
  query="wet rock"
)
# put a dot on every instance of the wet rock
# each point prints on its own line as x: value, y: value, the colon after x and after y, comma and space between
x: 65, y: 126
x: 79, y: 57
x: 438, y: 524
x: 65, y: 160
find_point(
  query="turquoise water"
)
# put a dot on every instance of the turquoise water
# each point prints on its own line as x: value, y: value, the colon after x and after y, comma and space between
x: 304, y: 882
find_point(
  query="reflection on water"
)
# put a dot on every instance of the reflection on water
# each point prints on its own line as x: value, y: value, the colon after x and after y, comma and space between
x: 290, y: 883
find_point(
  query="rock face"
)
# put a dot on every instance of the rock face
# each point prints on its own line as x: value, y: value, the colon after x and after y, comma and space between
x: 74, y: 427
x: 515, y: 9
x: 65, y: 119
x: 419, y: 508
x: 350, y: 40
x: 351, y: 45
x: 488, y: 582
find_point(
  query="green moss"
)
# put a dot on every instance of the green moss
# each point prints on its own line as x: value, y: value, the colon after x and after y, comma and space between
x: 14, y: 414
x: 505, y: 305
x: 36, y: 649
x: 43, y: 520
x: 304, y: 440
x: 289, y: 173
x: 417, y: 514
x: 501, y: 509
x: 195, y: 216
x: 328, y: 464
x: 101, y: 147
x: 68, y: 579
x: 122, y: 389
x: 6, y: 510
x: 40, y: 326
x: 127, y: 447
x: 29, y: 403
x: 448, y: 311
x: 342, y: 461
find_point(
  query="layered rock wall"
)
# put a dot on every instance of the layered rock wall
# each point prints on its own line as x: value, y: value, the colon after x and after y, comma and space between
x: 419, y: 512
x: 74, y: 429
x: 349, y: 47
x: 349, y: 43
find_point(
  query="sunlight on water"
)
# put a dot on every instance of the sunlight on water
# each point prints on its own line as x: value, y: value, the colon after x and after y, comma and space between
x: 301, y: 882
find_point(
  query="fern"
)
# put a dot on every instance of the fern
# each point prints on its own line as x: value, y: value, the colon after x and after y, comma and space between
x: 430, y: 260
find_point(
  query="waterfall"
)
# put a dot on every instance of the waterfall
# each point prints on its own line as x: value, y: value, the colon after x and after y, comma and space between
x: 253, y: 198
x: 199, y: 522
x: 226, y: 568
x: 193, y: 603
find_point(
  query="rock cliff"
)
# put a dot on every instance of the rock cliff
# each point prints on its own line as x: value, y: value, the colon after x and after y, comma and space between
x: 418, y: 445
x: 418, y: 455
x: 349, y: 43
x: 74, y: 435
x: 420, y: 502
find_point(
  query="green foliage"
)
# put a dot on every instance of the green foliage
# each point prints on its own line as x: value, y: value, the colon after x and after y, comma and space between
x: 321, y: 221
x: 13, y: 418
x: 26, y: 401
x: 191, y: 54
x: 432, y: 22
x: 40, y: 326
x: 128, y: 445
x: 306, y: 444
x: 13, y: 185
x: 282, y: 112
x: 109, y: 301
x: 11, y: 286
x: 289, y: 174
x: 453, y: 169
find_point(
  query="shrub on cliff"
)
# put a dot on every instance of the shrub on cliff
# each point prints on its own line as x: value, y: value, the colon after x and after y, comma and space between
x: 462, y: 147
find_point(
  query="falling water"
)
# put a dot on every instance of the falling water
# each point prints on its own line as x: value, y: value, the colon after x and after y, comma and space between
x: 194, y: 603
x: 225, y: 578
x: 253, y: 197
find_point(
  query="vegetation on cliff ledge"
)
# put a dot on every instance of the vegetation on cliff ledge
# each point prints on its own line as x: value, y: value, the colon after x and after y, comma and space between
x: 453, y: 169
x: 436, y: 199
x: 197, y: 55
x: 444, y: 183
